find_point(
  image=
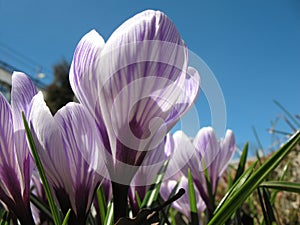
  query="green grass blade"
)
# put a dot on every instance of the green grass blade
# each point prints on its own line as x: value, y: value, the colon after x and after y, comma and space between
x: 242, y: 179
x: 4, y: 222
x: 153, y: 192
x: 53, y: 208
x: 110, y: 214
x: 65, y: 221
x: 263, y: 208
x: 172, y: 216
x: 240, y: 195
x: 4, y: 218
x: 241, y: 167
x: 193, y: 201
x: 269, y: 207
x: 102, y: 204
x: 138, y: 199
x: 282, y: 186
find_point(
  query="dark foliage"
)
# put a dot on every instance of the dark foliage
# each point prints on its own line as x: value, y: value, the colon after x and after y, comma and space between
x: 59, y: 93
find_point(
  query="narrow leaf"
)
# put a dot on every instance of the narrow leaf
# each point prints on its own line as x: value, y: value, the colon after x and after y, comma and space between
x: 102, y: 204
x: 65, y: 221
x: 269, y: 208
x: 282, y: 186
x: 263, y: 208
x: 153, y: 192
x: 138, y: 199
x: 242, y: 162
x: 242, y: 179
x: 110, y: 215
x: 193, y: 201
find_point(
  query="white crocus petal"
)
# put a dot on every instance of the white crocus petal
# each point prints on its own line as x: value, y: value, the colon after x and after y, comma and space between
x: 85, y: 69
x: 184, y: 151
x: 49, y: 143
x: 227, y: 149
x: 142, y: 64
x: 23, y: 90
x: 83, y: 147
x: 7, y: 137
x: 207, y: 146
x: 70, y: 151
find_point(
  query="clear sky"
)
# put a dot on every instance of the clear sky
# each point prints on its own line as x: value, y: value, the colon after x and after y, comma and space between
x: 252, y: 47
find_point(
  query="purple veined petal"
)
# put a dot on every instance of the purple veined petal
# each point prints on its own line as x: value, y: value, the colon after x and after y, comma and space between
x: 207, y: 145
x: 85, y: 69
x: 142, y: 69
x: 9, y: 169
x: 48, y: 140
x: 228, y: 147
x: 221, y: 161
x: 6, y: 133
x: 71, y: 134
x: 79, y: 129
x: 14, y: 174
x: 84, y: 150
x: 188, y: 94
x: 137, y: 47
x: 23, y: 90
x: 184, y: 155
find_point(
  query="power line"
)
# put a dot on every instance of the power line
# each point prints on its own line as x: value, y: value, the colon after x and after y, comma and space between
x: 23, y: 59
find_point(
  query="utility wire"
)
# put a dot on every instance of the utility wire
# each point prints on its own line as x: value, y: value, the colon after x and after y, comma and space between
x: 29, y: 62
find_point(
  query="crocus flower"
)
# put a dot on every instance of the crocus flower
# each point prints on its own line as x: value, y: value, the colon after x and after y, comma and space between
x: 137, y: 86
x: 66, y: 143
x: 205, y: 152
x: 16, y: 163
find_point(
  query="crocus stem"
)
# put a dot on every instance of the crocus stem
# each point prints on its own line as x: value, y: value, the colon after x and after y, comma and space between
x: 26, y: 218
x: 120, y: 192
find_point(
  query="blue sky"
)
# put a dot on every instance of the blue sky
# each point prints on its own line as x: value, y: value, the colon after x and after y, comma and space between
x: 252, y: 47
